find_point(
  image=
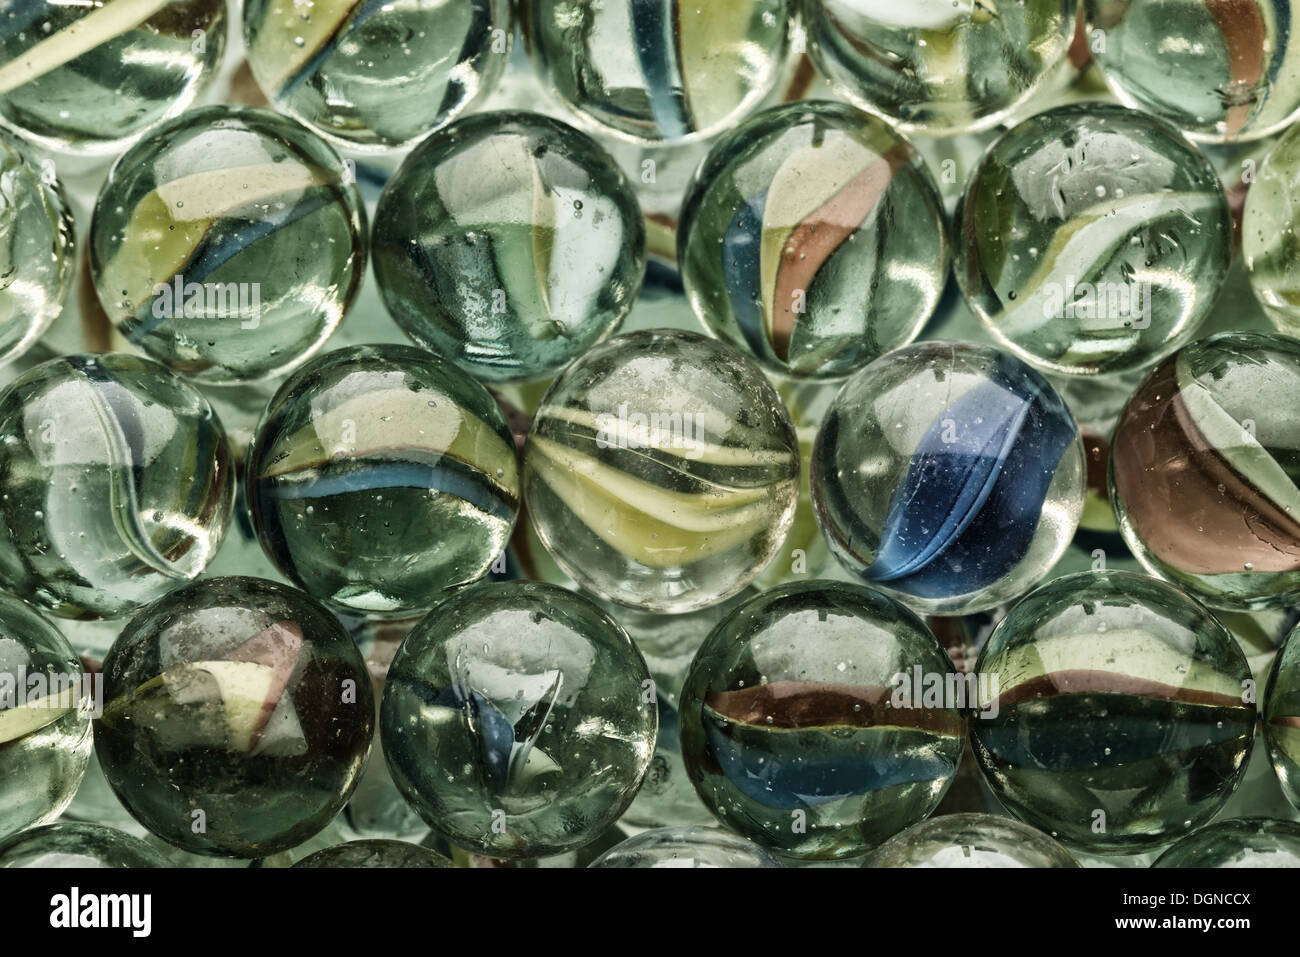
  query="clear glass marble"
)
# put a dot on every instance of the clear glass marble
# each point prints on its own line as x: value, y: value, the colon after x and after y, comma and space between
x: 1093, y: 239
x: 1115, y: 713
x: 1204, y: 468
x: 377, y: 75
x: 90, y: 77
x: 802, y: 728
x: 940, y: 67
x: 690, y: 847
x: 519, y: 720
x: 229, y: 244
x: 659, y: 70
x: 37, y: 249
x: 950, y: 475
x: 44, y: 719
x: 116, y: 484
x: 509, y: 243
x: 1219, y: 71
x: 813, y: 237
x: 237, y: 717
x: 970, y: 841
x: 662, y: 471
x: 381, y: 478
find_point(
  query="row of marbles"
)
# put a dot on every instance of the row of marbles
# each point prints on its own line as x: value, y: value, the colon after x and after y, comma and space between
x: 1108, y: 710
x: 231, y: 243
x: 661, y: 471
x: 377, y: 76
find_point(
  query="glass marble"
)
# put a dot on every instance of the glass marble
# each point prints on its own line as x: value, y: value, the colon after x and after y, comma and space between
x: 228, y: 244
x: 116, y: 485
x: 1269, y: 244
x: 75, y: 845
x: 1282, y: 718
x: 950, y: 475
x: 382, y: 476
x: 518, y: 719
x: 375, y: 854
x: 37, y: 249
x: 509, y: 243
x: 692, y: 847
x: 800, y: 729
x: 970, y: 841
x: 237, y: 717
x: 657, y: 70
x: 90, y: 77
x: 1220, y: 71
x: 1115, y: 713
x: 1247, y: 842
x: 813, y: 236
x: 662, y: 471
x: 374, y: 74
x: 1204, y: 468
x: 940, y: 67
x: 1093, y: 239
x: 44, y: 719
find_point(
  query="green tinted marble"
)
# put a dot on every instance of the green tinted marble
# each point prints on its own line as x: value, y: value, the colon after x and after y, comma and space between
x: 518, y: 720
x: 44, y: 726
x: 375, y: 854
x: 88, y: 77
x: 229, y: 243
x: 1269, y: 243
x: 37, y: 249
x: 116, y: 484
x: 376, y: 74
x: 1248, y: 842
x: 939, y: 66
x: 382, y: 476
x: 509, y: 243
x: 75, y: 845
x: 1093, y: 239
x: 1282, y: 718
x: 237, y: 717
x: 1220, y: 71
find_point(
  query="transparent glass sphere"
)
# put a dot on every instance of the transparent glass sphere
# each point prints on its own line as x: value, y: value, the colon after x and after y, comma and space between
x: 90, y: 77
x: 381, y: 478
x: 510, y: 244
x: 377, y: 76
x: 948, y: 474
x: 1204, y: 467
x: 518, y: 720
x: 659, y: 70
x: 939, y: 67
x: 229, y: 244
x: 805, y: 724
x: 1093, y: 239
x: 45, y: 737
x: 790, y: 241
x: 662, y: 471
x: 237, y: 717
x: 116, y: 484
x: 1115, y: 712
